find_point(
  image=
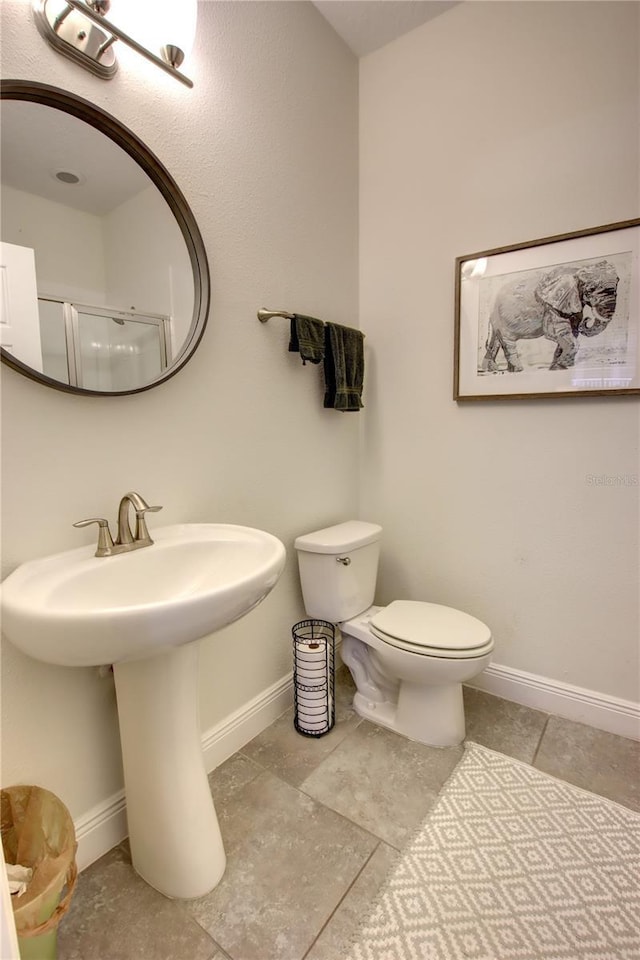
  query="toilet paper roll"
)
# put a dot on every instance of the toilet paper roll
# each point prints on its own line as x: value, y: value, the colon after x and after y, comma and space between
x: 311, y: 665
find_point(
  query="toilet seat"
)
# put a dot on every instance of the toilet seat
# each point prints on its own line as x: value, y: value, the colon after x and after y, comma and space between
x: 431, y: 630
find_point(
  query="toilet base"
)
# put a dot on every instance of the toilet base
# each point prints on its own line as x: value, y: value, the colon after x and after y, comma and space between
x: 430, y: 715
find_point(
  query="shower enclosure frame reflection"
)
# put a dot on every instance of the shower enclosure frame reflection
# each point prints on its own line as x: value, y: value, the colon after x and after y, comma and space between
x: 109, y: 126
x: 71, y: 313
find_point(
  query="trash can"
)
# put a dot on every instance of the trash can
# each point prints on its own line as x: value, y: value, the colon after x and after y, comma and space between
x: 38, y: 832
x: 314, y: 677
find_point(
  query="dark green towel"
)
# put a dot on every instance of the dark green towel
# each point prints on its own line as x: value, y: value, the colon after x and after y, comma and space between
x: 343, y: 367
x: 307, y: 338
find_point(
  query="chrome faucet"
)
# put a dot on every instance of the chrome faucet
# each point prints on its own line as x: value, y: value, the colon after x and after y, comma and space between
x: 125, y: 540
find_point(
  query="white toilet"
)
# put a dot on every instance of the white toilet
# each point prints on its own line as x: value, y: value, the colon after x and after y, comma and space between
x: 408, y: 659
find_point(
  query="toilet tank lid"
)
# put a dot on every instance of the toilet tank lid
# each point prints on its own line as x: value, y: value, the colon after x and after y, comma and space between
x: 339, y: 538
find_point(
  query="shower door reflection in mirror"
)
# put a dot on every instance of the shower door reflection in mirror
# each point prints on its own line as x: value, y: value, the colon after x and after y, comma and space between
x: 98, y: 348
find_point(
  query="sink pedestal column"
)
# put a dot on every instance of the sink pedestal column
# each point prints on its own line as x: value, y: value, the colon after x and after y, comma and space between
x: 174, y: 835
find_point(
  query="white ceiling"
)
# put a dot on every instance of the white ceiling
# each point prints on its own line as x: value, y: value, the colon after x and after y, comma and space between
x: 38, y: 142
x: 366, y: 25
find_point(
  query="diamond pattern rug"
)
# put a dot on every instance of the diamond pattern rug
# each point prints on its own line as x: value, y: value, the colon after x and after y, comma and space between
x: 511, y: 864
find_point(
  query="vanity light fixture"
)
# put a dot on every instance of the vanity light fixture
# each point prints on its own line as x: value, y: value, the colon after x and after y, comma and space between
x: 80, y: 30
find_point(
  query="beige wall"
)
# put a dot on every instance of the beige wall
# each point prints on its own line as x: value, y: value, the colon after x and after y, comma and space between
x: 493, y: 124
x: 265, y: 150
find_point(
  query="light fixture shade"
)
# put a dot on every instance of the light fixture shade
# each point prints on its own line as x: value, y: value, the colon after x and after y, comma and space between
x: 163, y: 23
x: 134, y: 17
x: 177, y: 23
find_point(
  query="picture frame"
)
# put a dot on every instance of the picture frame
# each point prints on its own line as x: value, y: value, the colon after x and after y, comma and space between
x: 556, y: 317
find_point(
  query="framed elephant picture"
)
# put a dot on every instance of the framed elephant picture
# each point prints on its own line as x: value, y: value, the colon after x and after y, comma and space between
x: 557, y: 317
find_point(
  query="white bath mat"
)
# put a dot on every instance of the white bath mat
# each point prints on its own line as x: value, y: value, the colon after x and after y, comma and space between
x: 511, y: 864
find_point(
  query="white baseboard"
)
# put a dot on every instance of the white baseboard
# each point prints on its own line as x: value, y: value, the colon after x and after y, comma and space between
x: 552, y: 696
x: 102, y: 828
x: 105, y: 826
x: 222, y: 741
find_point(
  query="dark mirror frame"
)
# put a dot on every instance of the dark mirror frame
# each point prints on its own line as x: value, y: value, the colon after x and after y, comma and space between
x: 106, y: 124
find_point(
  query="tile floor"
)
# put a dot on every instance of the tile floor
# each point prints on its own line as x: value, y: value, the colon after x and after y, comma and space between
x: 312, y: 827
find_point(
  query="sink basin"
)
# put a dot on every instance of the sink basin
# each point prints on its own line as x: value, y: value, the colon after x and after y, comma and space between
x: 75, y: 609
x: 141, y: 611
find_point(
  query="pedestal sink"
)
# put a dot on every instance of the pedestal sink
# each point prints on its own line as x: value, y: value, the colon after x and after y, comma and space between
x: 143, y: 612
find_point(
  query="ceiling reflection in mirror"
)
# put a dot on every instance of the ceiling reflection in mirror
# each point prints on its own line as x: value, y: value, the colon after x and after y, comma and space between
x: 104, y: 281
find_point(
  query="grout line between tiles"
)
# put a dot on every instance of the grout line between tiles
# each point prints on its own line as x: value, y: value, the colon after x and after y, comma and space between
x: 341, y: 900
x: 354, y: 823
x: 270, y: 769
x: 220, y: 954
x: 536, y: 751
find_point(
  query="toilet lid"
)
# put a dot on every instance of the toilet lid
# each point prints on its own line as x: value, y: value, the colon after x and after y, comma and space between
x: 431, y: 629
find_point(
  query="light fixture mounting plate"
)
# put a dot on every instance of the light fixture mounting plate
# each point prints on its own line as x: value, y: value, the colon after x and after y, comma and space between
x: 76, y: 37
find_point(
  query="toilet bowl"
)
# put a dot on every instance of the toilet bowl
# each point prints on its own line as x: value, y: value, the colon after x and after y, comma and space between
x: 408, y: 659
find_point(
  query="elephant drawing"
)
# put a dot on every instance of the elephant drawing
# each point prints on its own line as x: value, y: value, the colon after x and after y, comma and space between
x: 558, y: 304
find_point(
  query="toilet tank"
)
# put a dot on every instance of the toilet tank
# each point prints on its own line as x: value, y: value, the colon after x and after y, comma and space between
x: 338, y: 569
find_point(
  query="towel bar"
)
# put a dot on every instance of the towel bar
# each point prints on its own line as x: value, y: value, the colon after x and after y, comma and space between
x: 264, y: 315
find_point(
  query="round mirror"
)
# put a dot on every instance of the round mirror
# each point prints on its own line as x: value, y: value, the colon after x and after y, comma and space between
x: 104, y: 282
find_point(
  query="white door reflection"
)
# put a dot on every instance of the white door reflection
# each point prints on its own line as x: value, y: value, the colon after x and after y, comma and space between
x: 19, y: 325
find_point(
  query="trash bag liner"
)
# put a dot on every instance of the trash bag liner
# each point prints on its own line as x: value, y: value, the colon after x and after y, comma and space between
x: 38, y: 832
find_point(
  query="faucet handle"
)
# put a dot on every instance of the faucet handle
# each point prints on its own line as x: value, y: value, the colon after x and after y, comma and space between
x: 142, y: 533
x: 105, y: 540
